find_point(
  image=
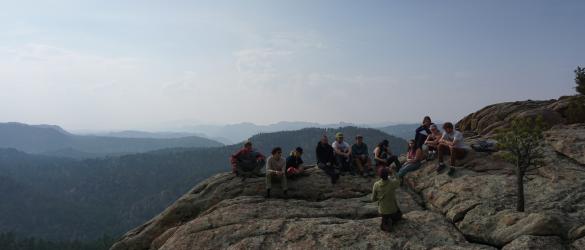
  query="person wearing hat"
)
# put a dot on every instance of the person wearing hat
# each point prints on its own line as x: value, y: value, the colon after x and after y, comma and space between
x: 342, y: 154
x: 361, y: 158
x: 294, y: 163
x: 384, y: 192
x: 247, y: 162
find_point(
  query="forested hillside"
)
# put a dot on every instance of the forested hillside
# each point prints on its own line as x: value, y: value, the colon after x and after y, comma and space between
x: 62, y: 198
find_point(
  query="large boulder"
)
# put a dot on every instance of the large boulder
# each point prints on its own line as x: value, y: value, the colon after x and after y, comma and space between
x: 488, y: 120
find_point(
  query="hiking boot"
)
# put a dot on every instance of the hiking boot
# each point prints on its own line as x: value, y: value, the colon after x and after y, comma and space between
x: 441, y: 167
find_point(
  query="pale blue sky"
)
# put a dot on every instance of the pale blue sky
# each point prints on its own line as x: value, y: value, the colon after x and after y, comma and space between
x: 157, y: 64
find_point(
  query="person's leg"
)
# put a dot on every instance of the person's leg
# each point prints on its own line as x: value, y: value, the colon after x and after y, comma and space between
x: 268, y: 184
x: 396, y: 162
x: 386, y: 223
x: 395, y: 217
x: 357, y: 162
x: 329, y: 170
x: 407, y: 168
x: 456, y: 154
x: 269, y: 181
x: 284, y: 184
x: 442, y: 151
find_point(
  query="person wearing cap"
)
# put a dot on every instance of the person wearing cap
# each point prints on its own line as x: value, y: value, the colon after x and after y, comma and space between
x: 276, y: 168
x: 326, y: 159
x: 383, y: 192
x: 361, y: 158
x: 294, y: 163
x: 247, y: 162
x: 342, y: 153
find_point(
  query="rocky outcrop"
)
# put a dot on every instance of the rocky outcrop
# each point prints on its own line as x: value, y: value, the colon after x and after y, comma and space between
x: 468, y: 206
x: 488, y: 120
x: 228, y: 212
x: 480, y: 201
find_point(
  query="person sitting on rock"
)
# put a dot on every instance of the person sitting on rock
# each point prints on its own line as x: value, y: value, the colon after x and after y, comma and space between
x: 294, y: 163
x: 383, y: 192
x: 414, y: 159
x: 422, y: 132
x: 275, y: 168
x: 342, y: 154
x: 384, y: 157
x: 247, y: 162
x: 326, y: 159
x: 432, y: 141
x: 451, y: 144
x: 361, y: 159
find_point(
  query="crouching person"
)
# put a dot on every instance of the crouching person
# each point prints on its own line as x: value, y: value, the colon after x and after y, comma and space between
x: 275, y: 168
x: 247, y: 162
x: 384, y: 193
x: 294, y: 163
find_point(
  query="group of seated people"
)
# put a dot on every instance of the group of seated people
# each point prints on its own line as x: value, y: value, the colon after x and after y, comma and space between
x: 340, y: 158
x: 428, y: 141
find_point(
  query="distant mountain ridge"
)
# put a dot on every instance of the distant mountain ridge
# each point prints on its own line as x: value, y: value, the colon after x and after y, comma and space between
x: 241, y: 131
x: 113, y: 194
x: 53, y: 140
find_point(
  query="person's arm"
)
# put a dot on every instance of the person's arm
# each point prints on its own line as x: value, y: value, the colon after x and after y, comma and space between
x: 319, y: 153
x: 234, y: 160
x: 348, y: 151
x: 374, y: 193
x: 419, y: 129
x: 430, y: 139
x: 444, y: 141
x: 408, y: 158
x: 418, y: 156
x: 457, y: 138
x: 269, y: 167
x: 377, y: 155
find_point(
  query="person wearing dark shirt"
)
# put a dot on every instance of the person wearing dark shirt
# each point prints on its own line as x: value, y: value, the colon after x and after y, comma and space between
x: 384, y: 157
x: 422, y: 132
x: 247, y: 162
x: 326, y: 159
x: 361, y: 158
x: 294, y: 163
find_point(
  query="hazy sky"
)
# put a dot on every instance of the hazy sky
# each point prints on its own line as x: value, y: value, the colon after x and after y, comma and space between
x: 160, y: 64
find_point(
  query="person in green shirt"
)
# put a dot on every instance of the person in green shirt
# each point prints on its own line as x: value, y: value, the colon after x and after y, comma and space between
x: 383, y: 192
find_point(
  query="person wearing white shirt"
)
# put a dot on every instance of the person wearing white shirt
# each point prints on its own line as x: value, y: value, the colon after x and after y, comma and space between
x: 451, y: 143
x: 342, y: 151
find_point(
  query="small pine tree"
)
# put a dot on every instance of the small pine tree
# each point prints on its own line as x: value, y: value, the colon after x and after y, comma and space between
x: 522, y: 143
x: 580, y: 80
